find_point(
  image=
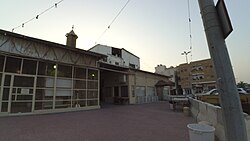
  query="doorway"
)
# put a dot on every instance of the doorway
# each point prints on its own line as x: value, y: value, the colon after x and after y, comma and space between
x: 18, y: 92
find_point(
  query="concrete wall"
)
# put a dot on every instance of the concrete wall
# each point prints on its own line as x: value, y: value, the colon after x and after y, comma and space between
x: 125, y: 59
x: 142, y: 79
x: 105, y: 50
x: 202, y: 111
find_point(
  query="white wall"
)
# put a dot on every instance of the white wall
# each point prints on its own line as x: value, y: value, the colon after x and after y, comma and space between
x: 125, y: 59
x: 105, y: 50
x: 130, y: 59
x: 114, y: 59
x: 161, y: 69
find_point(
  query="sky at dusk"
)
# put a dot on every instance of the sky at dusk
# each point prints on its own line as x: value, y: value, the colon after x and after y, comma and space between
x: 157, y: 31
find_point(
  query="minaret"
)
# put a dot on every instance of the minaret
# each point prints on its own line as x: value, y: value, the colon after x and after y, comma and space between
x: 71, y: 38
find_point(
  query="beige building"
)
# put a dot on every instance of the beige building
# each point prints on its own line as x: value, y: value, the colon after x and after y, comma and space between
x: 122, y: 85
x: 197, y: 76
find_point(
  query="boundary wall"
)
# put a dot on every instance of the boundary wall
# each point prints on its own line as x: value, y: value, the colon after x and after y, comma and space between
x: 205, y: 112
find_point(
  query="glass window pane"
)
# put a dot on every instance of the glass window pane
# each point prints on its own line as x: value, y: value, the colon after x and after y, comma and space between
x: 7, y: 80
x: 29, y: 67
x: 23, y: 107
x: 79, y: 94
x: 92, y: 94
x: 0, y: 79
x: 4, y: 107
x: 92, y: 84
x: 80, y: 73
x: 62, y: 94
x: 92, y: 74
x: 44, y: 94
x: 64, y: 71
x: 79, y: 84
x: 150, y: 91
x: 45, y: 82
x: 1, y: 62
x: 13, y: 65
x: 47, y: 69
x: 64, y: 83
x: 140, y: 91
x: 21, y: 97
x: 6, y: 92
x: 23, y: 81
x: 43, y: 105
x: 63, y: 104
x: 124, y: 91
x: 92, y: 102
x: 42, y: 68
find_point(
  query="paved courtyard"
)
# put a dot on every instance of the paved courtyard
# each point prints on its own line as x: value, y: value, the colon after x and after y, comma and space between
x: 146, y: 122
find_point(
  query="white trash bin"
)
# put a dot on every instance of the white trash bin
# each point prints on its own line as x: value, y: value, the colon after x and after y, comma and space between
x: 201, y: 132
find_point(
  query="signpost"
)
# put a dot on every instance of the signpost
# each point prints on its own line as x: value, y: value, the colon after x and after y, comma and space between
x: 224, y: 19
x: 234, y: 124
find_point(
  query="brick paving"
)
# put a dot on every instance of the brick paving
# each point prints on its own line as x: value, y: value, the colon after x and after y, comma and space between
x: 146, y: 122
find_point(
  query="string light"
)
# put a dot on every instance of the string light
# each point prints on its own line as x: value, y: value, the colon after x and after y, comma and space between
x: 37, y: 16
x: 112, y: 22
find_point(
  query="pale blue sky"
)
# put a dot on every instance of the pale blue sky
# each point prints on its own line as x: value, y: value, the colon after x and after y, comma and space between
x: 155, y: 30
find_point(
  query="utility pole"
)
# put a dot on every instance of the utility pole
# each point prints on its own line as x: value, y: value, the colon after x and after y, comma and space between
x: 234, y: 124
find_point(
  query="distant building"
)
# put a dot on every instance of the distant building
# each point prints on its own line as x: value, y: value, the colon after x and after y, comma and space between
x: 120, y: 57
x: 197, y: 76
x: 171, y: 73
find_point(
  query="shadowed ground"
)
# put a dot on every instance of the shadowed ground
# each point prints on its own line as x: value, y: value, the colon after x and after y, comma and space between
x: 146, y: 122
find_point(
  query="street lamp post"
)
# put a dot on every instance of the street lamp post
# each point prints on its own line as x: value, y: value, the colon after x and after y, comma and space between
x: 186, y: 53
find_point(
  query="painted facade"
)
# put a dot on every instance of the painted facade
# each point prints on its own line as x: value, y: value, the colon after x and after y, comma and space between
x: 197, y: 76
x: 116, y: 56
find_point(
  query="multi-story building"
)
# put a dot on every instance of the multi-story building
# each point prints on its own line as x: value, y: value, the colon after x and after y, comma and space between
x: 120, y: 57
x: 197, y: 76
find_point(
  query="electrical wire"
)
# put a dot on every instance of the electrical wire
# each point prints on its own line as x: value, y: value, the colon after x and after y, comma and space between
x: 37, y: 16
x: 112, y: 21
x: 190, y: 30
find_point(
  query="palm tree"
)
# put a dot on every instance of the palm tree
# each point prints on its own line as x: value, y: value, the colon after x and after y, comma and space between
x: 242, y: 84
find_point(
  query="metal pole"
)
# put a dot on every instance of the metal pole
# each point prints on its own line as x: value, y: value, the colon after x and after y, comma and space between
x: 234, y: 124
x: 186, y: 53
